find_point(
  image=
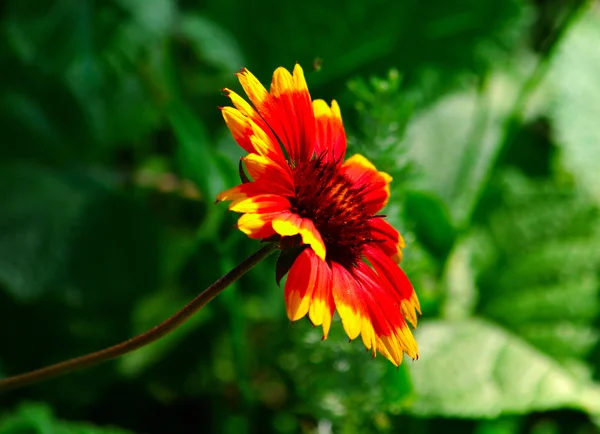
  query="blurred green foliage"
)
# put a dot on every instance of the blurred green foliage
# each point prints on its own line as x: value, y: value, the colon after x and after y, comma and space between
x: 113, y: 150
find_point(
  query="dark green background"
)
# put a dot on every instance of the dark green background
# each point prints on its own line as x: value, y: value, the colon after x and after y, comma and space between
x: 112, y: 151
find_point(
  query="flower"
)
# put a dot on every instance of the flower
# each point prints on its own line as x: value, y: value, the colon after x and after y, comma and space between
x: 341, y: 255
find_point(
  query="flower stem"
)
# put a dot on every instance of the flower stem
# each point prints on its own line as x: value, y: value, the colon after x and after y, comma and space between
x: 145, y: 338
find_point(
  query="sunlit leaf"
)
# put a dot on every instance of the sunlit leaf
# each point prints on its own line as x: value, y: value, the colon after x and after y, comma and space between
x: 574, y: 108
x: 472, y: 368
x: 455, y: 142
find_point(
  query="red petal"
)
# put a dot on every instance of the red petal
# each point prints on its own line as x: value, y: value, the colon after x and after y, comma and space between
x: 257, y: 226
x: 308, y: 290
x: 250, y: 189
x: 368, y: 309
x: 374, y: 185
x: 391, y: 242
x: 287, y: 109
x: 386, y: 314
x: 250, y: 136
x: 262, y: 203
x: 330, y: 137
x: 290, y: 224
x: 247, y: 110
x: 263, y: 168
x: 396, y: 281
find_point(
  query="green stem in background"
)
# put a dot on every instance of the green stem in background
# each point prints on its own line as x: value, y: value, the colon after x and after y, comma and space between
x: 145, y: 338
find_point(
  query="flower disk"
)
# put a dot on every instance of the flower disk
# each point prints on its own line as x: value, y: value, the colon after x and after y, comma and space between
x: 299, y: 192
x: 329, y: 199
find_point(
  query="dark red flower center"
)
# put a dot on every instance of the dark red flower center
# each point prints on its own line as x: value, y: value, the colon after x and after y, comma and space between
x: 328, y: 198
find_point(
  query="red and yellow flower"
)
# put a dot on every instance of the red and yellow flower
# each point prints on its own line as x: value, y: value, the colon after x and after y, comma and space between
x: 300, y: 192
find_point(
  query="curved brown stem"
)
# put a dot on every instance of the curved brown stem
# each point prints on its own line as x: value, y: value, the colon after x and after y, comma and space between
x: 145, y: 338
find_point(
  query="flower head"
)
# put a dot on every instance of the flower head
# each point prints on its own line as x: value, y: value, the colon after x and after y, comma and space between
x: 298, y: 190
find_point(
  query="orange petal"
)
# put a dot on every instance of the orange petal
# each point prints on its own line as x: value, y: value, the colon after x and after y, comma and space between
x: 247, y: 110
x: 392, y: 277
x: 250, y: 189
x: 263, y: 168
x: 367, y: 308
x: 322, y: 304
x: 347, y: 304
x: 282, y: 83
x: 257, y: 226
x: 287, y: 109
x: 240, y: 127
x: 300, y: 285
x: 262, y: 203
x: 242, y: 105
x: 308, y: 290
x: 244, y: 191
x: 386, y: 315
x: 290, y: 224
x: 375, y: 185
x: 250, y: 136
x: 253, y: 88
x: 330, y: 137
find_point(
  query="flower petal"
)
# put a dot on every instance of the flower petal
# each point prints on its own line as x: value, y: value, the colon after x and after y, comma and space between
x: 247, y: 110
x: 300, y: 285
x: 392, y: 242
x: 330, y: 137
x: 290, y: 224
x: 249, y: 135
x: 250, y: 189
x: 308, y: 290
x: 348, y: 305
x: 253, y: 88
x: 287, y: 109
x: 322, y: 304
x: 262, y: 203
x: 397, y: 281
x: 368, y: 309
x: 263, y: 168
x: 256, y: 225
x: 375, y: 185
x: 387, y: 320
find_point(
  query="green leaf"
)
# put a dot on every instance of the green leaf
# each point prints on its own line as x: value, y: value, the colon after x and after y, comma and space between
x: 212, y: 43
x: 543, y: 282
x: 119, y: 107
x: 157, y: 19
x: 335, y: 378
x: 36, y: 128
x: 474, y: 369
x: 194, y: 155
x: 49, y: 34
x: 73, y: 253
x: 34, y: 418
x: 460, y: 280
x: 575, y: 91
x: 384, y: 109
x: 40, y: 210
x: 432, y: 222
x: 456, y: 141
